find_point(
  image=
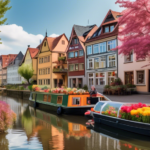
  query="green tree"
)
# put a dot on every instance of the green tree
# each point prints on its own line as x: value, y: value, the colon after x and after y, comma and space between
x: 3, y: 8
x: 26, y: 71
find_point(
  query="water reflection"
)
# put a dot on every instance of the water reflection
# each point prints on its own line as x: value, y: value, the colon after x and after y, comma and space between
x: 35, y: 129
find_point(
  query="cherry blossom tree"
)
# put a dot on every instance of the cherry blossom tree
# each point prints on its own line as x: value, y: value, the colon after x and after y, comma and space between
x: 134, y: 28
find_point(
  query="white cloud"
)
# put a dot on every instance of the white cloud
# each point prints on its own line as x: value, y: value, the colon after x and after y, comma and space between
x: 53, y: 35
x: 15, y: 39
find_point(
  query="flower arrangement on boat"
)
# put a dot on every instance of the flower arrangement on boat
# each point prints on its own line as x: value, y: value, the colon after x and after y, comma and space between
x: 111, y: 111
x: 136, y: 112
x: 69, y: 91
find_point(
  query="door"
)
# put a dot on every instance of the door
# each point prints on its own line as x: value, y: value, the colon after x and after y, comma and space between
x: 149, y: 81
x: 60, y: 82
x: 129, y: 78
x: 55, y: 83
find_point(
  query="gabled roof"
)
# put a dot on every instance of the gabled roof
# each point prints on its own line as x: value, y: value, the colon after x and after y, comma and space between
x: 7, y: 59
x: 33, y: 52
x: 111, y: 17
x: 19, y: 57
x: 82, y: 32
x: 52, y: 42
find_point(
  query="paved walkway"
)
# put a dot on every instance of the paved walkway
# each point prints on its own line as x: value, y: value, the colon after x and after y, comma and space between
x: 130, y: 98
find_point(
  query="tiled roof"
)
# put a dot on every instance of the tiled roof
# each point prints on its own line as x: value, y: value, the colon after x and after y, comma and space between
x: 99, y: 33
x: 33, y: 51
x: 53, y: 41
x: 7, y: 59
x: 82, y: 31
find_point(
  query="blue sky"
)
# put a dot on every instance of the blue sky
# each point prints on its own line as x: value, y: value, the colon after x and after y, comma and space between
x: 29, y: 19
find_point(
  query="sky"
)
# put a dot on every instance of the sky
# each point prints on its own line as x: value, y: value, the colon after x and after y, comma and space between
x: 28, y: 20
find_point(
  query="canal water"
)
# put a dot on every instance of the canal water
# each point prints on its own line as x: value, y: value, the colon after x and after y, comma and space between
x: 38, y: 130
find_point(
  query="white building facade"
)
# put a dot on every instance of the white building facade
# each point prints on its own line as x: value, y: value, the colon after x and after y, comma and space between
x: 12, y: 71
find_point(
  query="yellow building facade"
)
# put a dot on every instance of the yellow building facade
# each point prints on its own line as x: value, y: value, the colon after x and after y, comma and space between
x: 30, y: 58
x: 51, y: 71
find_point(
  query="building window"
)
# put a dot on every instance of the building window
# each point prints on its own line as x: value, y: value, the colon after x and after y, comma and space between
x: 100, y: 78
x: 129, y: 58
x: 91, y: 63
x: 102, y: 62
x: 76, y: 66
x: 81, y: 53
x: 71, y: 67
x: 140, y: 77
x: 89, y: 50
x: 81, y: 66
x: 91, y: 79
x: 111, y: 44
x: 107, y: 29
x: 48, y: 70
x: 76, y: 100
x: 75, y: 41
x: 112, y: 61
x: 103, y: 47
x: 95, y: 48
x: 76, y: 54
x: 71, y: 55
x: 96, y: 63
x: 44, y: 43
x: 48, y: 58
x: 111, y: 77
x: 63, y: 42
x: 41, y: 60
x: 111, y: 28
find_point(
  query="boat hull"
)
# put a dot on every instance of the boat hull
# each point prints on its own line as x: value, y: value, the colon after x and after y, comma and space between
x: 132, y: 126
x: 65, y: 110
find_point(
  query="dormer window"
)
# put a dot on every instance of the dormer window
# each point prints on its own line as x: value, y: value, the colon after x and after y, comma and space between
x: 75, y: 41
x: 107, y: 29
x: 111, y: 28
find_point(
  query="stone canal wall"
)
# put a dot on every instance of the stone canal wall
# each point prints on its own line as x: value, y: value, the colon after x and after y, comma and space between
x: 16, y: 94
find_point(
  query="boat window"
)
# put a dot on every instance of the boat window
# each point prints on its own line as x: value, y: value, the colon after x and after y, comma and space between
x: 111, y: 109
x: 76, y: 101
x: 45, y: 98
x: 76, y: 127
x: 59, y: 99
x: 98, y: 106
x: 49, y: 98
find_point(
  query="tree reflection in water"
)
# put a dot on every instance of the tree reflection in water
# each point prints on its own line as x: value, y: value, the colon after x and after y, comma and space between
x: 3, y: 142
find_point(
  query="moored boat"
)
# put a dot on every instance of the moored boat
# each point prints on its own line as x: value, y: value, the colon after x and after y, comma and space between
x: 61, y: 103
x: 126, y: 116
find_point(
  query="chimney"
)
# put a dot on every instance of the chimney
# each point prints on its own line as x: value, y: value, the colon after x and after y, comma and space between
x: 28, y: 45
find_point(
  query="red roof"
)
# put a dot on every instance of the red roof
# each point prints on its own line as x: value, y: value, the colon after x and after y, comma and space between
x: 33, y: 51
x: 7, y: 59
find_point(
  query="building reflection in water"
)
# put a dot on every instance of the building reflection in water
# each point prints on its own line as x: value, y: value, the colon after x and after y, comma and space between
x: 39, y: 130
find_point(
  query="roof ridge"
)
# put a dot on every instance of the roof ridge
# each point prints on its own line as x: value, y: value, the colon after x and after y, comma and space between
x: 84, y: 26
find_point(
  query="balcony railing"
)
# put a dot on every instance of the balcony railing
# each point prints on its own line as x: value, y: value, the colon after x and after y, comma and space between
x: 58, y: 70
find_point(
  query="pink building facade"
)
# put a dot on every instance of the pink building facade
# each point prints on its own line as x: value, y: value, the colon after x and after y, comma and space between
x: 132, y: 71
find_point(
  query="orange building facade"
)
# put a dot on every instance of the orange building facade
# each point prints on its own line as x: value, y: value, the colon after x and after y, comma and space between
x: 51, y: 62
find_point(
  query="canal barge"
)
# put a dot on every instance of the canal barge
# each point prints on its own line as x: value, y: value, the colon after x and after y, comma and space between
x: 114, y: 114
x: 64, y: 103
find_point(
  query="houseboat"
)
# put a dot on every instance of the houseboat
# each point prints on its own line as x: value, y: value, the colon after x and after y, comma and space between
x: 61, y: 103
x: 126, y: 116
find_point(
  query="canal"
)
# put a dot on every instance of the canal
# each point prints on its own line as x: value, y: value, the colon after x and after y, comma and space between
x: 38, y: 130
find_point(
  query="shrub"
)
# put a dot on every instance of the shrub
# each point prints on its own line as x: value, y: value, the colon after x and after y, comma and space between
x: 22, y: 88
x: 118, y: 81
x: 107, y: 87
x: 30, y: 87
x: 26, y: 71
x: 23, y: 82
x: 7, y: 116
x: 112, y: 84
x: 129, y: 85
x: 85, y: 87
